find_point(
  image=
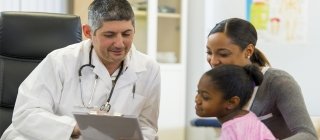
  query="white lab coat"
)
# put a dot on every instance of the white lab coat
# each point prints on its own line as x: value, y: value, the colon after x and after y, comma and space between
x: 49, y: 95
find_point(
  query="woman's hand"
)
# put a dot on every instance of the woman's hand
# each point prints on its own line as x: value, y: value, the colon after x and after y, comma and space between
x: 76, y: 132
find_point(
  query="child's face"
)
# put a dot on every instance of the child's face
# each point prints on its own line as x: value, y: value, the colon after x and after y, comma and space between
x: 209, y: 100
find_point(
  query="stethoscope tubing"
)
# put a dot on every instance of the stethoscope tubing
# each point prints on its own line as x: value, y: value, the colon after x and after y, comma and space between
x: 106, y: 106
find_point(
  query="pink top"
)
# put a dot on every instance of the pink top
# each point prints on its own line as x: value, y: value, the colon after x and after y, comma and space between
x: 247, y: 127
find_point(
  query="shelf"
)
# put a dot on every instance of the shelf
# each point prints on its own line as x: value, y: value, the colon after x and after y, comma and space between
x: 140, y: 13
x: 168, y: 15
x: 160, y: 15
x: 161, y: 32
x: 172, y: 66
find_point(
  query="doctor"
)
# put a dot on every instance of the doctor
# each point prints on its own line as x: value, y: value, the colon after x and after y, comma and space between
x: 104, y: 72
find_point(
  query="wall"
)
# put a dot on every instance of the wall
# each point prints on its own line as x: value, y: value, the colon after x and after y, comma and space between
x: 80, y: 7
x: 301, y: 60
x: 55, y: 6
x: 195, y: 63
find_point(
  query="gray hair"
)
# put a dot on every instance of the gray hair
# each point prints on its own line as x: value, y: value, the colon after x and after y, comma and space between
x: 109, y: 10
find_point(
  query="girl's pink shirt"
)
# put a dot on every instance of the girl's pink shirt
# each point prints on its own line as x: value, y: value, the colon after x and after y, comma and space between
x: 247, y: 127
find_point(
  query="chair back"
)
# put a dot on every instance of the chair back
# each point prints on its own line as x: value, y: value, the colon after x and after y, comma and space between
x: 25, y: 39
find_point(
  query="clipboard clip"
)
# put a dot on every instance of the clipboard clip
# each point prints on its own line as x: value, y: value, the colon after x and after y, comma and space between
x: 104, y: 113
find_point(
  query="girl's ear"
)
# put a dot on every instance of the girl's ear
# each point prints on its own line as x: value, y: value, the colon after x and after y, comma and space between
x: 233, y: 103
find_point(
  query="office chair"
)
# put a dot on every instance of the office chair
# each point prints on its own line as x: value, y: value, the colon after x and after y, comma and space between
x: 25, y: 39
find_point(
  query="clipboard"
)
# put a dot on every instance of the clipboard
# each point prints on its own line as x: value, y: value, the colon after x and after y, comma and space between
x: 98, y: 127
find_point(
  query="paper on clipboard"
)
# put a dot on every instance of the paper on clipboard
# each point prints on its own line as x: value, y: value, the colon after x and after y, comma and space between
x: 98, y: 127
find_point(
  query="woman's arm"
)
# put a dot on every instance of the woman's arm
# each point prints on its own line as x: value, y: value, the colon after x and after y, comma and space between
x: 291, y: 105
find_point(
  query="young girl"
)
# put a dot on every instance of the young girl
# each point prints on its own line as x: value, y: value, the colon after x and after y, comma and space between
x: 222, y: 93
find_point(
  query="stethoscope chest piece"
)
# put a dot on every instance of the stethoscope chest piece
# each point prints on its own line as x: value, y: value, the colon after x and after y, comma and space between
x: 105, y: 107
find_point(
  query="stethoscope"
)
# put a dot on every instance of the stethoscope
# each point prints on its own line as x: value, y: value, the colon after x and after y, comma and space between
x: 106, y: 106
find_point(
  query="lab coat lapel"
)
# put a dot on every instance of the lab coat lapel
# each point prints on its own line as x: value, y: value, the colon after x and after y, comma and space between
x: 128, y: 77
x: 101, y: 70
x: 133, y: 67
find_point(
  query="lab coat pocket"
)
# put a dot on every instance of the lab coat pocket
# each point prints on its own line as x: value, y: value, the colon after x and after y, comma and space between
x: 136, y: 102
x: 128, y: 103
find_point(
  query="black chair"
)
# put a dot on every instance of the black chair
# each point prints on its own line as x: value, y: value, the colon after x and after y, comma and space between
x: 25, y: 39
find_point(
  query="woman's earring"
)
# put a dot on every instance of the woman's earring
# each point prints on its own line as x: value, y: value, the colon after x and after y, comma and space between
x: 248, y: 56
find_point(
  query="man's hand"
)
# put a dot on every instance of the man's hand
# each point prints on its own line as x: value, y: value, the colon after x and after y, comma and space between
x: 76, y: 132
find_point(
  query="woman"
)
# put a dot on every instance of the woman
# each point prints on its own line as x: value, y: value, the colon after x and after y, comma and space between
x: 278, y: 101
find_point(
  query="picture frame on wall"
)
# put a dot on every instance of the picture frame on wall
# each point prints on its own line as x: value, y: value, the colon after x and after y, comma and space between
x: 283, y: 21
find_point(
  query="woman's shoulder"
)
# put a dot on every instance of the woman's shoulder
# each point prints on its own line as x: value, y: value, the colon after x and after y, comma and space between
x: 272, y: 73
x: 277, y: 78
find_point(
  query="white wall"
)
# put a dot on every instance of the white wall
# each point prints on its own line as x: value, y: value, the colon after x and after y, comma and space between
x: 301, y: 60
x: 195, y: 57
x: 54, y: 6
x: 172, y: 104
